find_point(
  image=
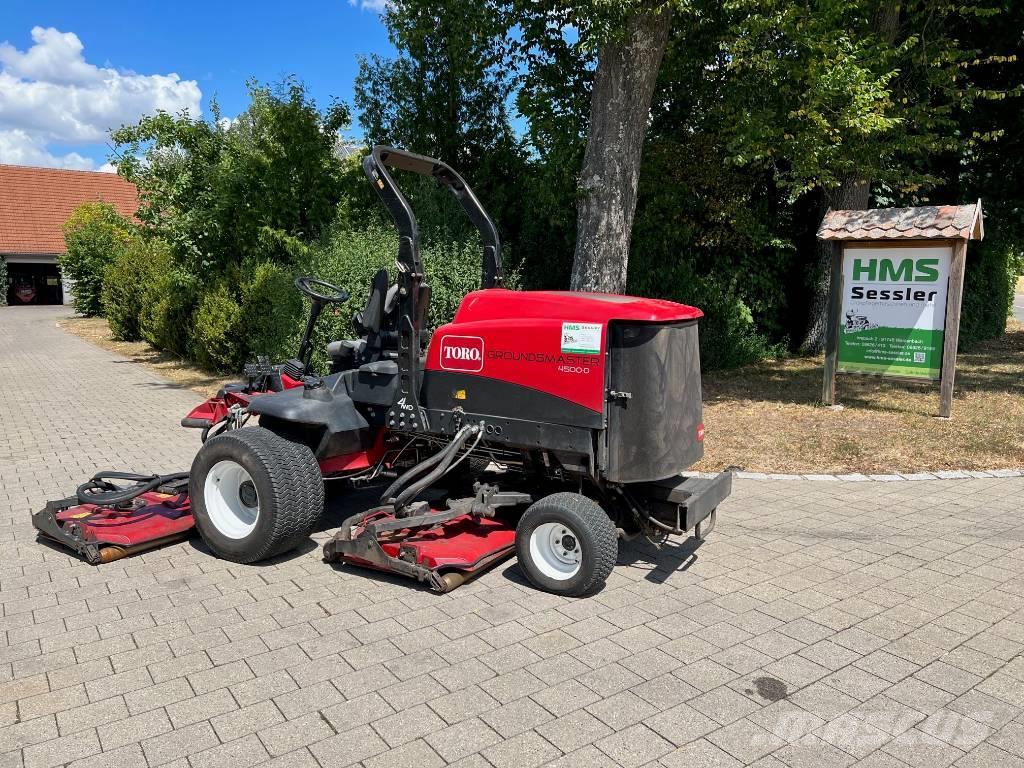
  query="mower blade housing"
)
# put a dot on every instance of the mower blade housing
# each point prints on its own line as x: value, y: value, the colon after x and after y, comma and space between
x: 444, y: 555
x: 101, y: 534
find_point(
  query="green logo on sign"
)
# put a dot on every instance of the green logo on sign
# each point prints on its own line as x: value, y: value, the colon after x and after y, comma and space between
x: 904, y: 271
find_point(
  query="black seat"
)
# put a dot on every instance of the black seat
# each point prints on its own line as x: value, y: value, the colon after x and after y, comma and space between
x: 369, y: 321
x: 375, y: 324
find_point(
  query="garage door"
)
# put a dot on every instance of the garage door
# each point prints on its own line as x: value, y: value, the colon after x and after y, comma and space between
x: 33, y: 284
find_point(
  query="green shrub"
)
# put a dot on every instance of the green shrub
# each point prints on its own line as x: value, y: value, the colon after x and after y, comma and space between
x: 3, y: 281
x: 216, y: 342
x: 990, y: 278
x: 350, y: 258
x: 95, y: 235
x: 168, y: 304
x: 270, y: 308
x: 126, y: 285
x: 729, y: 336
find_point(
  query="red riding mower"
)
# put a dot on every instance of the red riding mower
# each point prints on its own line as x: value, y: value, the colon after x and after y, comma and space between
x: 547, y: 423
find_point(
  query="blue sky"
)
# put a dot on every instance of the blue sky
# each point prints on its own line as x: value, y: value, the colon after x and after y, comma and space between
x: 71, y: 70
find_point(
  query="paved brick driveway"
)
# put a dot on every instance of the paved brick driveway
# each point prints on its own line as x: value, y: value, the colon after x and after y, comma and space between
x: 824, y: 623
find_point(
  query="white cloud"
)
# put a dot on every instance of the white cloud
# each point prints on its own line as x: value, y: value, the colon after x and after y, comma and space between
x: 19, y: 148
x: 49, y: 94
x: 376, y: 6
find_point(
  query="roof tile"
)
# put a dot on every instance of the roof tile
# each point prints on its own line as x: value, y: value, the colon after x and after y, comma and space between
x: 921, y: 223
x: 35, y: 203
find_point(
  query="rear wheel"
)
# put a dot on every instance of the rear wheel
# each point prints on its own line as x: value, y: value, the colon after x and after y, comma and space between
x: 254, y: 494
x: 566, y: 544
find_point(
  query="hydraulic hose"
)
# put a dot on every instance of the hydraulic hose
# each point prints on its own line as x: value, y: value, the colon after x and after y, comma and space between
x: 98, y: 489
x: 413, y: 472
x: 443, y: 467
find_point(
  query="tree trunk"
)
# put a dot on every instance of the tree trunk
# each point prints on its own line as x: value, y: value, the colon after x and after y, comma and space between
x: 852, y: 193
x: 620, y: 104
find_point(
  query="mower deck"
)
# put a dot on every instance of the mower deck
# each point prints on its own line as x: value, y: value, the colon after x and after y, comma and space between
x: 102, y: 534
x: 444, y: 548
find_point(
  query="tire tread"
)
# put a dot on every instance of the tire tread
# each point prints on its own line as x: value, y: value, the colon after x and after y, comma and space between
x: 602, y: 528
x: 298, y: 489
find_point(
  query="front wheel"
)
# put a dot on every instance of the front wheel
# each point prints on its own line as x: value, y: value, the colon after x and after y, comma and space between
x: 254, y: 494
x: 566, y: 544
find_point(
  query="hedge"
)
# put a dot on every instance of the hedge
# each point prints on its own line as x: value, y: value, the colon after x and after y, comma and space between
x: 990, y: 278
x: 223, y: 321
x: 94, y: 235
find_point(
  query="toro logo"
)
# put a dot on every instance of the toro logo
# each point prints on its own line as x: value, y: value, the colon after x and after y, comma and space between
x: 462, y: 353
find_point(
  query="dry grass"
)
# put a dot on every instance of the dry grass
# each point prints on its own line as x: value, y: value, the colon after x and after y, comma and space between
x: 171, y: 367
x: 767, y: 417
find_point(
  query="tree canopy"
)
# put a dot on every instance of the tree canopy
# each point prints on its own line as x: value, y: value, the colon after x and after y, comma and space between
x: 761, y: 114
x: 220, y: 190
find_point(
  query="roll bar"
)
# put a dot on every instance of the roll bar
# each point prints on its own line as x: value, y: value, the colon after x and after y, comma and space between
x: 405, y: 413
x: 376, y: 165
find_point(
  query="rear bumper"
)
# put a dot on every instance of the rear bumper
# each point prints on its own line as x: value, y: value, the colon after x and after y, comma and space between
x: 706, y: 493
x: 683, y: 502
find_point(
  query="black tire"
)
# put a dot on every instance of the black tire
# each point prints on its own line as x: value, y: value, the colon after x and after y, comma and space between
x: 288, y: 486
x: 590, y: 526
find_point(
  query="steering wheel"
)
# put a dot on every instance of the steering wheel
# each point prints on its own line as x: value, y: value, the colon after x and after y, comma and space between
x: 309, y: 285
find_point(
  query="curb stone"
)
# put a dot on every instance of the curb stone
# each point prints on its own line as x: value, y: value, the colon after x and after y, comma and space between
x: 857, y: 477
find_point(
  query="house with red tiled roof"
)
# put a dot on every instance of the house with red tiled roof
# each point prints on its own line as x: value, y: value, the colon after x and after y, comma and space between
x: 34, y: 204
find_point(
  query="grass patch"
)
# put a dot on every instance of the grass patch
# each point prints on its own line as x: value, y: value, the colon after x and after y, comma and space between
x: 166, y: 364
x: 767, y: 417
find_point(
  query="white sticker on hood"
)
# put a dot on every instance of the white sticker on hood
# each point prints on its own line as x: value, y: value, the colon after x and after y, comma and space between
x: 581, y: 338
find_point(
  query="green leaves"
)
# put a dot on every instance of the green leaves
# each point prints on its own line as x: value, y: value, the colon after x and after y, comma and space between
x: 222, y: 190
x: 95, y: 235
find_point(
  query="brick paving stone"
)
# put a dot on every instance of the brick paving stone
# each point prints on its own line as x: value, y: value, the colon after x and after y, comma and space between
x: 129, y: 756
x: 893, y: 613
x: 62, y: 750
x: 462, y: 739
x: 132, y: 729
x: 156, y: 696
x: 91, y: 715
x: 745, y: 740
x: 293, y: 734
x: 574, y: 730
x: 634, y: 746
x: 19, y: 735
x: 179, y: 743
x: 410, y: 724
x: 345, y: 748
x: 523, y: 751
x: 240, y: 753
x: 415, y: 754
x: 357, y: 711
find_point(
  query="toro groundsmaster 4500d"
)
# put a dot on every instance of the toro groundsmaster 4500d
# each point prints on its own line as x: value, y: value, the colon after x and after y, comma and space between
x: 546, y: 423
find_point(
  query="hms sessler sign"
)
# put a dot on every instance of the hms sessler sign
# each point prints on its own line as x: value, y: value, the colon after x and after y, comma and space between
x: 893, y: 310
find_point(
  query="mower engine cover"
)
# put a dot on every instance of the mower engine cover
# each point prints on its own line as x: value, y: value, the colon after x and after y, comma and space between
x: 549, y: 368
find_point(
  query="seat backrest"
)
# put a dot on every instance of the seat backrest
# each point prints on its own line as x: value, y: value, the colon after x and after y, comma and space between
x: 369, y: 321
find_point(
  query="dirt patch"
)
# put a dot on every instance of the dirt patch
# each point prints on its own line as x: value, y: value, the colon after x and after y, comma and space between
x: 768, y: 417
x: 171, y: 367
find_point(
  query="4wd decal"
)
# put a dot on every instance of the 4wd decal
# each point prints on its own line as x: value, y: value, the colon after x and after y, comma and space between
x: 581, y: 338
x: 462, y: 353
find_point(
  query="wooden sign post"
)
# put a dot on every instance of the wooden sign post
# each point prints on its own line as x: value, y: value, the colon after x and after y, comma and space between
x: 895, y: 291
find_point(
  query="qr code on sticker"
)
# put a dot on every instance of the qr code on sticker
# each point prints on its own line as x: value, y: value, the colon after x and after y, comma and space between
x: 919, y: 357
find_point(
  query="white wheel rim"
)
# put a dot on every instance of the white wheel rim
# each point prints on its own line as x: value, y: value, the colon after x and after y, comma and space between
x: 555, y: 550
x: 225, y: 506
